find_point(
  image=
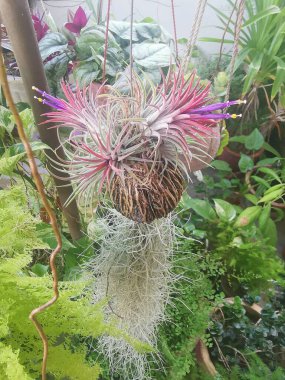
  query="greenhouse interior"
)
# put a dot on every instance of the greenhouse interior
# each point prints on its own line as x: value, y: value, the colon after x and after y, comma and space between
x: 142, y: 190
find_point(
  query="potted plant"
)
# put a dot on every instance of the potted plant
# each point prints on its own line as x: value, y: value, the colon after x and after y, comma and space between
x: 260, y: 67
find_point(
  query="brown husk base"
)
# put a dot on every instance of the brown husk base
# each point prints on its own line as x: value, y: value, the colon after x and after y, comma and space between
x: 147, y: 193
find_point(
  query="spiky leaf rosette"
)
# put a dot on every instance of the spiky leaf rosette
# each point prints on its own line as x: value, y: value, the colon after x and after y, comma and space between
x: 115, y: 136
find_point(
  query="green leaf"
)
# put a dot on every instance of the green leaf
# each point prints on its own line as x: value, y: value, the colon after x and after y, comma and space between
x: 247, y: 216
x: 253, y: 69
x: 224, y: 141
x: 261, y: 181
x: 279, y: 78
x: 254, y: 141
x: 52, y: 43
x: 270, y: 149
x: 270, y: 172
x: 245, y: 163
x: 45, y: 232
x: 252, y: 198
x: 152, y: 55
x: 271, y: 10
x: 8, y: 164
x: 86, y: 73
x: 272, y: 196
x: 264, y: 216
x: 5, y: 119
x: 221, y: 165
x: 122, y: 29
x: 202, y: 208
x: 275, y: 187
x: 269, y: 231
x: 39, y: 269
x: 225, y: 210
x: 238, y: 139
x: 20, y: 149
x: 267, y: 161
x: 57, y: 67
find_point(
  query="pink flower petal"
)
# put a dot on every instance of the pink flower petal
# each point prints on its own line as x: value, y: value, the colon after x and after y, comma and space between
x: 80, y: 18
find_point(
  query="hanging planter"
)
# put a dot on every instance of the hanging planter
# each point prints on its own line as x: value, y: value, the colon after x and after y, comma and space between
x: 139, y: 150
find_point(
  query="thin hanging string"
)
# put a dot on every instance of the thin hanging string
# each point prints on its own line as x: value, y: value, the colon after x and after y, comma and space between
x: 131, y: 46
x: 224, y: 36
x: 238, y: 27
x: 194, y: 33
x: 174, y: 29
x: 106, y: 40
x: 99, y: 11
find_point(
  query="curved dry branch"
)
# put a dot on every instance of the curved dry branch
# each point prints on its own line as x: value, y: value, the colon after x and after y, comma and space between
x: 40, y: 188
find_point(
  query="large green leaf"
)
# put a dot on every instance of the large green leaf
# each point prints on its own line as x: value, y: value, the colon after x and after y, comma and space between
x: 151, y: 55
x: 123, y: 30
x: 245, y: 163
x: 225, y: 210
x: 202, y: 208
x: 87, y: 72
x: 255, y: 140
x: 52, y: 43
x: 247, y: 216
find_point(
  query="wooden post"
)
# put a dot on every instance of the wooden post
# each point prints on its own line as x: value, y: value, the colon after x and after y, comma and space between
x: 15, y: 15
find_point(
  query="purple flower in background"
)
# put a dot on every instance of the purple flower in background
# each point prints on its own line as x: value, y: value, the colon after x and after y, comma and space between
x: 77, y: 21
x: 41, y: 28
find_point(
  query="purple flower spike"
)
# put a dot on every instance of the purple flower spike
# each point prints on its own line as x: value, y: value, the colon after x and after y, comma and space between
x: 76, y: 21
x: 49, y: 99
x: 216, y: 106
x: 215, y: 116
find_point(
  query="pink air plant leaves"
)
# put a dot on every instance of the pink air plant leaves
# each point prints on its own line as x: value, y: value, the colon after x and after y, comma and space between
x: 41, y: 28
x: 111, y: 131
x: 77, y: 21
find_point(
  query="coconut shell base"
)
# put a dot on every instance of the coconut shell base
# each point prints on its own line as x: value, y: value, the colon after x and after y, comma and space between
x: 147, y: 193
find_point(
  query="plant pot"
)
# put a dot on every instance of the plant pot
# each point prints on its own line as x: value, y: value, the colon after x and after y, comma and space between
x: 17, y: 89
x: 210, y: 148
x: 232, y: 157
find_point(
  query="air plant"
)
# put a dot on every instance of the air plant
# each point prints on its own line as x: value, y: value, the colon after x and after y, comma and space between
x: 138, y: 149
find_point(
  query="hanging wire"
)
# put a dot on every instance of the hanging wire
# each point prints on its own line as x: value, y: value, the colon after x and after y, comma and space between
x: 131, y: 45
x: 224, y: 36
x: 106, y: 40
x: 194, y: 33
x: 238, y: 27
x: 174, y: 29
x: 99, y: 11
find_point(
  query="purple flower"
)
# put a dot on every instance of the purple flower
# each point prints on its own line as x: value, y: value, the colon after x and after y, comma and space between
x: 41, y: 28
x: 76, y: 21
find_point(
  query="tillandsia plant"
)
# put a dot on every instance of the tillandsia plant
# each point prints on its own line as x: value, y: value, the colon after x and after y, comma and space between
x: 138, y: 149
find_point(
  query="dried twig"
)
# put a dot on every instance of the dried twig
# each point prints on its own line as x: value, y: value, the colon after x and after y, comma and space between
x: 40, y: 188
